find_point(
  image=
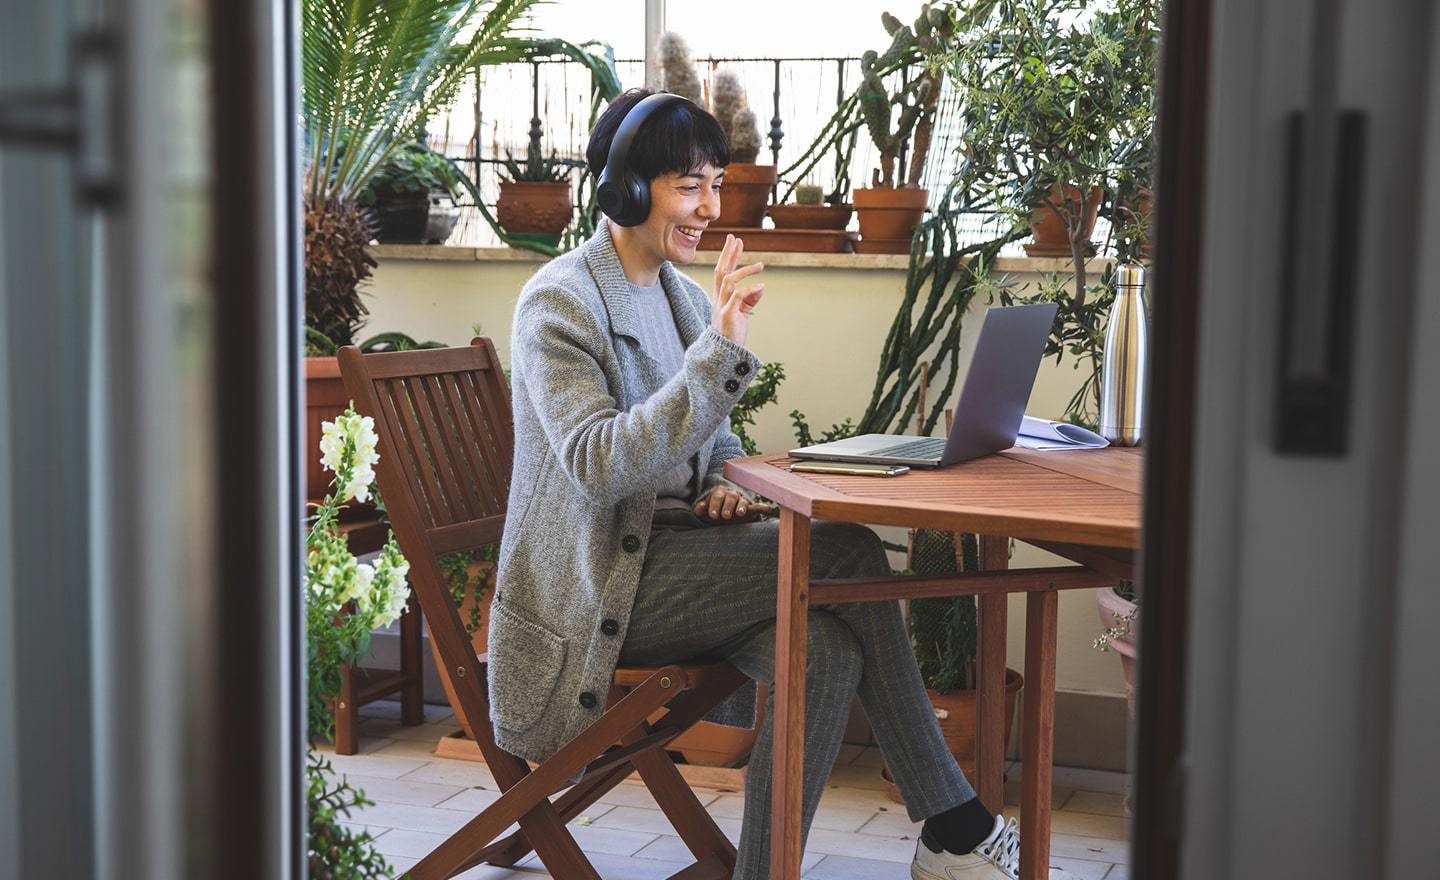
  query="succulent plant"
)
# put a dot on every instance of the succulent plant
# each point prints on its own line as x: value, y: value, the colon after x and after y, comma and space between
x: 538, y: 168
x: 809, y: 194
x: 678, y: 68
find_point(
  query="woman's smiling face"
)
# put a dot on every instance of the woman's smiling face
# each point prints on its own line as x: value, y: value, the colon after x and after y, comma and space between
x: 681, y: 206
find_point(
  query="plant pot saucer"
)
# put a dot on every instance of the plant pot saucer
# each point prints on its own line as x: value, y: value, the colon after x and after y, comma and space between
x: 1033, y: 249
x: 882, y: 246
x: 811, y: 216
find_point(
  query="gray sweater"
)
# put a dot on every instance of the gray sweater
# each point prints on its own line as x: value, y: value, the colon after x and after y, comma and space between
x: 597, y: 427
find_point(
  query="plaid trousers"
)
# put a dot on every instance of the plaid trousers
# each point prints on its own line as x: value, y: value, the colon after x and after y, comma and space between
x: 708, y: 592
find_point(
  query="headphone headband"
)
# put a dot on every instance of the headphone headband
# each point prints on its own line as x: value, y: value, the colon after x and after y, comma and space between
x: 624, y: 199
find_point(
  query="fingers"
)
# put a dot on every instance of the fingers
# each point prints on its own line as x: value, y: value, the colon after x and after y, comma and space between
x: 729, y: 257
x: 728, y: 285
x: 721, y: 504
x: 749, y: 298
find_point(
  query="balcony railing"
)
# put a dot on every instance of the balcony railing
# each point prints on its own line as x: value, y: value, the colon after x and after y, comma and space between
x: 547, y: 102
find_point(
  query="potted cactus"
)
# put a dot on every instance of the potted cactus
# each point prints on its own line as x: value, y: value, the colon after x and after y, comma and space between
x: 810, y: 212
x: 535, y: 203
x: 747, y: 185
x: 893, y: 205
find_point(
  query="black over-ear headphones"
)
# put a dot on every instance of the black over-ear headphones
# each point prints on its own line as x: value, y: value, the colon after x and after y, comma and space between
x: 622, y: 194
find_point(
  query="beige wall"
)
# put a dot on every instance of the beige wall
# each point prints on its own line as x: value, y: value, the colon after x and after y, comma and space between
x: 825, y: 324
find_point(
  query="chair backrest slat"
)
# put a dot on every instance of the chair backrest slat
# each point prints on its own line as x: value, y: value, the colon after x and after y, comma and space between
x: 396, y: 408
x: 483, y: 478
x: 444, y: 456
x: 496, y: 434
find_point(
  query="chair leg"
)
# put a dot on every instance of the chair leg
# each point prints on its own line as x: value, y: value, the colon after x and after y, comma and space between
x: 678, y: 802
x: 412, y: 693
x: 572, y: 803
x: 347, y: 714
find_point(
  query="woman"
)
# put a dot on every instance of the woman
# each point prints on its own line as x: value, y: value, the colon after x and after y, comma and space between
x: 625, y: 544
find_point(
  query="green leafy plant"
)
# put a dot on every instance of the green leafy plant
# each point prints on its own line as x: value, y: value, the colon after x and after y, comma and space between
x: 415, y: 168
x: 763, y: 390
x: 470, y: 575
x: 1061, y: 92
x: 344, y: 601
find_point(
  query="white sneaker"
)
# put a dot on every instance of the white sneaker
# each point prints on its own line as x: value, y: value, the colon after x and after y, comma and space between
x: 996, y: 858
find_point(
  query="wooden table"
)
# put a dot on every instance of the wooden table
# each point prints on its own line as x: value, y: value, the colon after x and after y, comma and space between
x: 1081, y: 505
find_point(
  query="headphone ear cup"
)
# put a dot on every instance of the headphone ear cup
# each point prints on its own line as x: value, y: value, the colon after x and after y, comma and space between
x: 639, y: 202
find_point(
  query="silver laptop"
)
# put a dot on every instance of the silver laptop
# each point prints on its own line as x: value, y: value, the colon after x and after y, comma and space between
x: 992, y: 400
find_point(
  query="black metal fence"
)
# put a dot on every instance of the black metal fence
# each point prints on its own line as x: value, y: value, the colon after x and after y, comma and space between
x: 547, y: 102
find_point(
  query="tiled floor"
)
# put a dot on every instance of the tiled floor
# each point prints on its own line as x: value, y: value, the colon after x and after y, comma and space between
x: 858, y: 833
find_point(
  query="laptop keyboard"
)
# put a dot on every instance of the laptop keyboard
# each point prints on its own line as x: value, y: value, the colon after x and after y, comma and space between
x: 925, y: 447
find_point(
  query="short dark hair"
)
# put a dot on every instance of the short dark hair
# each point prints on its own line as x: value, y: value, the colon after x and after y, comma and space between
x: 676, y: 139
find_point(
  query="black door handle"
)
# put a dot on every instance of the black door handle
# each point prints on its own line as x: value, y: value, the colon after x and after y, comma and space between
x: 1316, y: 350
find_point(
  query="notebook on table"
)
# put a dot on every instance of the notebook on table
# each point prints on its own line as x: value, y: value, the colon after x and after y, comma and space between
x: 992, y: 399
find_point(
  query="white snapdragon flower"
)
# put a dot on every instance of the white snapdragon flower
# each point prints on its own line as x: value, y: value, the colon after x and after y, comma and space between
x: 332, y: 446
x: 347, y: 447
x: 391, y: 591
x: 358, y: 488
x: 363, y: 432
x: 359, y: 586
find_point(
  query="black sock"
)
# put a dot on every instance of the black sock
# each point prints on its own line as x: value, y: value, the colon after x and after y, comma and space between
x: 959, y: 829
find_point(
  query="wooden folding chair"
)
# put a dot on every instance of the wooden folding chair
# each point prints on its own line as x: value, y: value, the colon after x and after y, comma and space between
x: 446, y: 443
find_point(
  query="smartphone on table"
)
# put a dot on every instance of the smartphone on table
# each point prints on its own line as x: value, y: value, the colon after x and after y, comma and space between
x: 847, y: 468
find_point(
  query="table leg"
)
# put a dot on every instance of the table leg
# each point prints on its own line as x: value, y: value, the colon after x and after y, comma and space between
x: 792, y: 606
x: 1038, y: 733
x: 990, y: 709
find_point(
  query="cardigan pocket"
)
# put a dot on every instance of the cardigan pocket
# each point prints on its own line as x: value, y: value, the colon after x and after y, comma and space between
x: 525, y: 663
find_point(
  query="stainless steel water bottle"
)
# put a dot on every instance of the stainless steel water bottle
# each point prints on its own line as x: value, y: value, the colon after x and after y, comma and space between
x: 1127, y: 348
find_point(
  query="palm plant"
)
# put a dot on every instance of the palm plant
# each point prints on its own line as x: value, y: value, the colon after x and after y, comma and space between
x: 373, y: 72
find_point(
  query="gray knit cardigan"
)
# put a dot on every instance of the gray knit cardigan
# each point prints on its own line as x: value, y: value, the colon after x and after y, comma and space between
x: 597, y: 426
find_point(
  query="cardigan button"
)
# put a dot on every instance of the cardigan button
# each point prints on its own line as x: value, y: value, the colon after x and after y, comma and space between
x: 742, y: 369
x: 610, y: 627
x: 630, y: 543
x: 731, y: 386
x: 587, y: 700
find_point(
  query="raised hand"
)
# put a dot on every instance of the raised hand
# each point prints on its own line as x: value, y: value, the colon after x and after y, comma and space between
x: 733, y: 304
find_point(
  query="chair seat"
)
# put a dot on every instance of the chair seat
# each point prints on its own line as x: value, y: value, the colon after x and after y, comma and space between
x: 694, y: 674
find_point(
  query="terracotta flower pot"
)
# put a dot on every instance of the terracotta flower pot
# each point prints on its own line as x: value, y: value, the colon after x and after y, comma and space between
x: 745, y: 194
x: 888, y: 217
x: 535, y: 208
x: 472, y: 612
x: 325, y: 399
x: 956, y: 712
x: 1051, y: 238
x: 811, y: 216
